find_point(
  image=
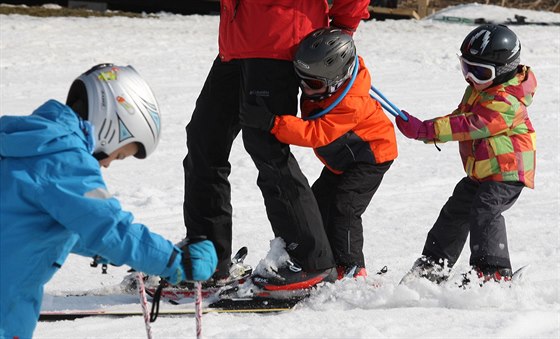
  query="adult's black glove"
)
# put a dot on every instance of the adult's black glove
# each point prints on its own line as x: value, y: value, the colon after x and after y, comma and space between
x: 256, y: 115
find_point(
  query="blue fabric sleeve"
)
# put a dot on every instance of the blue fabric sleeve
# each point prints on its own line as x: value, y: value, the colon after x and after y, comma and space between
x: 78, y: 199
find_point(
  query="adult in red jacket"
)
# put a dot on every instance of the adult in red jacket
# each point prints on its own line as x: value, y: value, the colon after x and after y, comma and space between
x: 257, y: 41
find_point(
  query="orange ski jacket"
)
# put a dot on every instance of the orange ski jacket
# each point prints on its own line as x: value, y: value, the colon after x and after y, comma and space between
x: 356, y: 130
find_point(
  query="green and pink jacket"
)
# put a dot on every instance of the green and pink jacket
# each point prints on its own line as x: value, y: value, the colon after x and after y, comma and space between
x: 496, y: 137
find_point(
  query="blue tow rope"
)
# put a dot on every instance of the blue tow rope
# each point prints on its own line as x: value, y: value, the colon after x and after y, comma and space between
x: 394, y: 110
x: 342, y: 95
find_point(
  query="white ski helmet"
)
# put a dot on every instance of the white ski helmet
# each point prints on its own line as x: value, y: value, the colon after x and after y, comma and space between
x: 121, y: 107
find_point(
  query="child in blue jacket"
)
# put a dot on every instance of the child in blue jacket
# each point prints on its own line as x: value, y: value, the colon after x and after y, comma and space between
x: 54, y: 200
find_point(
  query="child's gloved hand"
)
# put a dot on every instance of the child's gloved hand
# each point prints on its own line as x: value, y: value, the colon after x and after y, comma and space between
x: 195, y: 261
x: 256, y: 115
x: 203, y: 260
x: 416, y: 129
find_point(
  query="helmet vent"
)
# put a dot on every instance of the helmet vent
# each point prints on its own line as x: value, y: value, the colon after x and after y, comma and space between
x: 101, y: 129
x: 317, y: 43
x: 317, y: 33
x: 332, y: 41
x: 106, y: 135
x: 112, y: 136
x: 108, y: 128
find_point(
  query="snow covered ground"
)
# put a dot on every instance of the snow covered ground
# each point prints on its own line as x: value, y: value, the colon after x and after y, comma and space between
x: 414, y: 64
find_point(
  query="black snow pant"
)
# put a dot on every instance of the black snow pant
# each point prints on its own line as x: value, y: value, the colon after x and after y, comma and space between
x: 343, y: 198
x: 291, y: 207
x: 474, y: 207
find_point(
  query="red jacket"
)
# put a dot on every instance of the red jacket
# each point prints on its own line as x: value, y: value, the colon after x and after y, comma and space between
x: 355, y: 130
x: 273, y: 28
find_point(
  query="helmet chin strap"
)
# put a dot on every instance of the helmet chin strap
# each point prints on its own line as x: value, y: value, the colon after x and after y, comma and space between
x: 341, y: 96
x: 479, y: 87
x: 100, y: 156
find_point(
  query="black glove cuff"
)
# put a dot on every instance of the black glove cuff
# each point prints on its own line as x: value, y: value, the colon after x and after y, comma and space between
x: 186, y: 257
x: 271, y: 122
x: 186, y: 262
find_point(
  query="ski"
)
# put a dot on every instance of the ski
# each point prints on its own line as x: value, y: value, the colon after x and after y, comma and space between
x: 519, y: 274
x: 77, y: 314
x: 456, y: 19
x: 461, y: 280
x: 516, y: 278
x: 255, y: 303
x: 238, y: 273
x: 238, y: 296
x: 174, y: 294
x: 519, y: 20
x: 250, y: 296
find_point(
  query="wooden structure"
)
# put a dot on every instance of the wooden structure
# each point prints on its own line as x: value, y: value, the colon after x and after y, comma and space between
x: 382, y: 13
x: 400, y: 13
x: 423, y: 8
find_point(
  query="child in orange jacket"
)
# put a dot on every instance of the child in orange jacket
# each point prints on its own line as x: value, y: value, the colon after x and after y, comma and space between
x: 348, y: 131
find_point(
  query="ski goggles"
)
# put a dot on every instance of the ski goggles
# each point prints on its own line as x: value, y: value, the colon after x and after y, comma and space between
x: 320, y: 85
x: 313, y: 84
x: 310, y: 83
x: 477, y: 72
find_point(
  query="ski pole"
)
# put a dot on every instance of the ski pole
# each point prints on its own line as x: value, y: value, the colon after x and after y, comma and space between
x: 198, y: 309
x: 198, y: 287
x: 394, y: 110
x: 144, y: 303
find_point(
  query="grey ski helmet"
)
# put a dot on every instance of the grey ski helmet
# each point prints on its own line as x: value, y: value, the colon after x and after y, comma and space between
x: 494, y: 45
x: 326, y: 55
x: 121, y: 107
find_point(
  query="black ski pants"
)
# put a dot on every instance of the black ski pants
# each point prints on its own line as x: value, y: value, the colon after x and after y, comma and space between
x: 343, y: 198
x: 290, y: 205
x: 474, y: 207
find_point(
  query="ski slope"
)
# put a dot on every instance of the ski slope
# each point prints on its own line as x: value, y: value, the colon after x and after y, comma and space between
x: 414, y: 63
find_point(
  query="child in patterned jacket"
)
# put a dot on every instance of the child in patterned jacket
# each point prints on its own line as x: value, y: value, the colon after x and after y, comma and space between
x: 497, y: 146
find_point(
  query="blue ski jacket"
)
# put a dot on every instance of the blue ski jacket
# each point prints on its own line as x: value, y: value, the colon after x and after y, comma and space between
x: 53, y: 201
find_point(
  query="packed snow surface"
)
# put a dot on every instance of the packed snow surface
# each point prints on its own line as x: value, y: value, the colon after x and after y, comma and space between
x: 414, y: 63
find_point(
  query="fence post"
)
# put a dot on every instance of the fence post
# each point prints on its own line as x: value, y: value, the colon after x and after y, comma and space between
x: 423, y: 7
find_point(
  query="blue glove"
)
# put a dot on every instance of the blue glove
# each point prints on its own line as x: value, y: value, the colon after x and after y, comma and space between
x: 202, y: 262
x: 196, y: 261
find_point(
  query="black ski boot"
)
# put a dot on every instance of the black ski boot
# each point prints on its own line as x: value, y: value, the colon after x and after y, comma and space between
x: 425, y: 267
x: 482, y: 276
x: 292, y: 277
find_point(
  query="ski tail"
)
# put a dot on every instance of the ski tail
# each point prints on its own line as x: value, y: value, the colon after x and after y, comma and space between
x: 264, y: 303
x: 519, y: 274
